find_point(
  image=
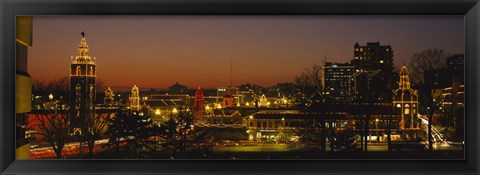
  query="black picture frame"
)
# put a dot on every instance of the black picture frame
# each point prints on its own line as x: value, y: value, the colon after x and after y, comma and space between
x: 11, y: 8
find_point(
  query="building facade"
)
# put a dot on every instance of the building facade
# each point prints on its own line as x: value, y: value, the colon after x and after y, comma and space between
x: 23, y: 84
x: 373, y: 57
x: 405, y: 101
x: 336, y: 77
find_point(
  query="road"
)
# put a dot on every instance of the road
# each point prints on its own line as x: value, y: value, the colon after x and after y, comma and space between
x: 284, y: 147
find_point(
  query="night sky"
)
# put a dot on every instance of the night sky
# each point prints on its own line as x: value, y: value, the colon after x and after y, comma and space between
x: 157, y: 51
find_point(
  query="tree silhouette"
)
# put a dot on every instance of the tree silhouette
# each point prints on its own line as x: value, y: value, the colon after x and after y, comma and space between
x: 422, y: 62
x: 55, y: 126
x: 133, y: 129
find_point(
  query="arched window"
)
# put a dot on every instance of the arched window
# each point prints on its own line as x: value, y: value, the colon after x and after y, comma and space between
x: 79, y: 71
x: 407, y: 105
x: 91, y: 70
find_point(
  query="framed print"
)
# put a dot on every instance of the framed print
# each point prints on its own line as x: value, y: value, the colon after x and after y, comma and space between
x: 239, y: 87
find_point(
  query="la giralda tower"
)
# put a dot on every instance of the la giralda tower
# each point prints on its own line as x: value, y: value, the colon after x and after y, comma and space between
x: 82, y: 87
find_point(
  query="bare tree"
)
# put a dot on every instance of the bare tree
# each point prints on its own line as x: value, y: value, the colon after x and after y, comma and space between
x: 433, y: 105
x: 309, y: 77
x: 430, y: 59
x: 54, y: 126
x: 97, y: 126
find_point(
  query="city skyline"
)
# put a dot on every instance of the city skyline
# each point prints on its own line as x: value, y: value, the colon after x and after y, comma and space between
x: 146, y: 51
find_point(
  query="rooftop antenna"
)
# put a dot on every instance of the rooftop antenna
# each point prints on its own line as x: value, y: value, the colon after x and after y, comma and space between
x: 231, y: 72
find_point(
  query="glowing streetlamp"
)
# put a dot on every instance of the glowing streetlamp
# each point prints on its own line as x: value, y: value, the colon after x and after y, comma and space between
x: 157, y: 112
x: 376, y: 128
x: 174, y: 110
x: 50, y: 96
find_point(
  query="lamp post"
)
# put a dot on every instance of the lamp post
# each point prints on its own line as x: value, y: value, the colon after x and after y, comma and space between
x: 376, y: 129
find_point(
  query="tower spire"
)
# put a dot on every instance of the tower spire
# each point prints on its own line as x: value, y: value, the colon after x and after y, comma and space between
x: 404, y: 79
x: 83, y: 47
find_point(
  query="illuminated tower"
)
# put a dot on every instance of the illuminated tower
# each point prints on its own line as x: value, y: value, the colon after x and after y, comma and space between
x: 135, y: 99
x: 82, y: 86
x: 405, y: 100
x: 198, y: 107
x: 108, y: 100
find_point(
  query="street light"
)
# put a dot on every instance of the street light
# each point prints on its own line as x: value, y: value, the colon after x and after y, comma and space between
x: 50, y: 97
x: 376, y: 129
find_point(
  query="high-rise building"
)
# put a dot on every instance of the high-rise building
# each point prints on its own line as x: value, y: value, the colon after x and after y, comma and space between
x: 336, y: 77
x: 373, y: 57
x: 135, y: 99
x: 82, y: 86
x: 405, y: 102
x: 23, y: 84
x: 456, y: 66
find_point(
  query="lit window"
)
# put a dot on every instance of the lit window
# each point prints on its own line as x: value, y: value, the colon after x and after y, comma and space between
x: 407, y: 110
x: 398, y: 105
x: 79, y: 71
x: 381, y: 61
x: 91, y: 70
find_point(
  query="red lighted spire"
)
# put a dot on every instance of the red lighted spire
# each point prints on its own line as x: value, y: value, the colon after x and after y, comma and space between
x: 198, y: 107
